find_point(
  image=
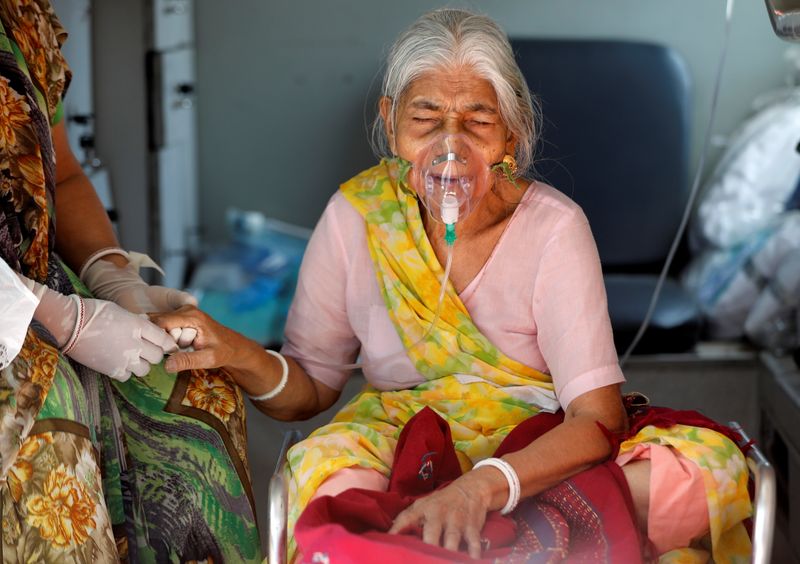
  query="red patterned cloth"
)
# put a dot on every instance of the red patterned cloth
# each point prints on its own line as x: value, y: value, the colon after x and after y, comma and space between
x: 588, y: 518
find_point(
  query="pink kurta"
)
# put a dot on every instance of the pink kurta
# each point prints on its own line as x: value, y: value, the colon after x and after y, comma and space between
x: 539, y: 298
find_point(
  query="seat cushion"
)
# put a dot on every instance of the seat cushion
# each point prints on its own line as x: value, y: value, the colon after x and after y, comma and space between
x: 676, y: 322
x: 615, y: 138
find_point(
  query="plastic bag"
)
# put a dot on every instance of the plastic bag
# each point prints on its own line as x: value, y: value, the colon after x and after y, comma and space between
x: 727, y: 283
x: 753, y: 180
x: 772, y: 321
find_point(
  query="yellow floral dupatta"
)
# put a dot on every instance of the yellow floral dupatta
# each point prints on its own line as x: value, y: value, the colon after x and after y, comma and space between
x: 409, y: 275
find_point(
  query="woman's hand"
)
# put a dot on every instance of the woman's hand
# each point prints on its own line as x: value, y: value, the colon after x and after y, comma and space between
x: 247, y: 363
x: 214, y: 345
x: 456, y: 512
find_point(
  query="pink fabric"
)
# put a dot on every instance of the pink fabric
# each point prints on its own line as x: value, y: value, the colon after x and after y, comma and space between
x: 539, y: 298
x: 352, y: 477
x: 678, y: 512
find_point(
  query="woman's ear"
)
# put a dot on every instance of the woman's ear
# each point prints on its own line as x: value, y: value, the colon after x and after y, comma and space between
x: 385, y: 109
x: 511, y: 144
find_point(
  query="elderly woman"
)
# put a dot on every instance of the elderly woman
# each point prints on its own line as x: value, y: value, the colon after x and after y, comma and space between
x: 522, y: 328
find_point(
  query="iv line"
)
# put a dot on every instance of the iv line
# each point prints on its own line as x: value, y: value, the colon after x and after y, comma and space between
x: 692, y: 193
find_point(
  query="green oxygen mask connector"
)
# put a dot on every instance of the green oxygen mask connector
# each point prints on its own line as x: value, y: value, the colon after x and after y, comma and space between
x: 450, y: 234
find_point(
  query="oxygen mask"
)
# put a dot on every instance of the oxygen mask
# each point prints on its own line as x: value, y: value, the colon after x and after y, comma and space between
x: 450, y: 177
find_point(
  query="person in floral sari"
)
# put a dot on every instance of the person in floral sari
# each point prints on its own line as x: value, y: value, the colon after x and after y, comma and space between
x: 96, y: 466
x: 522, y: 332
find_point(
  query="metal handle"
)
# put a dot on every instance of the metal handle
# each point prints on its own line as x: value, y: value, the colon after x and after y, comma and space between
x: 278, y: 501
x: 765, y: 499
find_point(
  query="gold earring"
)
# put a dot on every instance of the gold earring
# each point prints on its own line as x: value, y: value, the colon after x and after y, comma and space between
x: 511, y: 164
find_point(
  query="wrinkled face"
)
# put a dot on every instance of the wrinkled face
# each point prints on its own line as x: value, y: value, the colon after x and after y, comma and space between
x: 448, y: 102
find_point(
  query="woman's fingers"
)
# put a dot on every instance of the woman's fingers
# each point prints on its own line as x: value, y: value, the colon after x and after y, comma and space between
x: 404, y: 521
x: 472, y: 535
x: 452, y: 537
x: 451, y: 510
x: 432, y: 530
x: 180, y: 361
x: 187, y: 316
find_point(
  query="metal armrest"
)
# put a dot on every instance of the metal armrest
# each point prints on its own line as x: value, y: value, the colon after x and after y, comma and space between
x: 278, y: 500
x: 765, y: 499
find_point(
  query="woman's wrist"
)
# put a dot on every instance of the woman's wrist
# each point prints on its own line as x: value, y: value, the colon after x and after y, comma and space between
x: 257, y: 371
x: 279, y: 387
x: 492, y: 488
x: 504, y: 490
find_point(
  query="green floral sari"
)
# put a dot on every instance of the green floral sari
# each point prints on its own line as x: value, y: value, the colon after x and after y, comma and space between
x: 94, y: 470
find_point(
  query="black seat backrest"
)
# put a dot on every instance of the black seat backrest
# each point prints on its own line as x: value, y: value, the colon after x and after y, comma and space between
x: 615, y: 138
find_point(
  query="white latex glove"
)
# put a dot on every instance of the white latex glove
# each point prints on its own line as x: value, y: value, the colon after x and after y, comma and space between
x: 124, y: 287
x: 100, y: 334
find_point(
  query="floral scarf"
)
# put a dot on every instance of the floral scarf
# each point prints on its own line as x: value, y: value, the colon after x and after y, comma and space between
x: 409, y: 275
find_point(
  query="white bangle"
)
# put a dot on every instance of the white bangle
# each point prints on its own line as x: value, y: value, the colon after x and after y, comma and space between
x: 514, y: 489
x: 281, y: 385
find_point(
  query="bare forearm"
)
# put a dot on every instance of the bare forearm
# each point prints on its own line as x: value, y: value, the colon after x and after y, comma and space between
x: 254, y: 370
x: 261, y: 372
x: 573, y: 446
x: 83, y: 226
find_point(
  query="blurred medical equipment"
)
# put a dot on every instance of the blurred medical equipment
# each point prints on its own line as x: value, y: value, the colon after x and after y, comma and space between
x: 754, y: 179
x: 773, y: 320
x: 745, y: 232
x: 248, y: 284
x: 728, y: 282
x: 785, y: 18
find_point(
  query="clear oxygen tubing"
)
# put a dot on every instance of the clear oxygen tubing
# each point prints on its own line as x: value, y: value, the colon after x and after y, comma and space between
x: 448, y: 184
x: 687, y: 212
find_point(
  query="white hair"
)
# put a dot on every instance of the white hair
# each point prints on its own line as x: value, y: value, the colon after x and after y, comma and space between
x: 451, y: 38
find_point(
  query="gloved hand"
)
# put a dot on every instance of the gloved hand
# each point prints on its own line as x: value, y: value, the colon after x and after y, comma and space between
x: 124, y: 286
x: 100, y: 334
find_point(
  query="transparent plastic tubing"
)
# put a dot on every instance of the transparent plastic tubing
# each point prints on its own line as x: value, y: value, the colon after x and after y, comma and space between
x: 687, y: 212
